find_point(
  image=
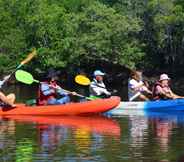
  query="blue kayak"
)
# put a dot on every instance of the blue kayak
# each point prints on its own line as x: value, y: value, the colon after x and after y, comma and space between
x: 141, y: 107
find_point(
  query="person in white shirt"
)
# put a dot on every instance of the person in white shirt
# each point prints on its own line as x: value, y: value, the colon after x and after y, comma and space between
x: 137, y: 89
x: 97, y: 87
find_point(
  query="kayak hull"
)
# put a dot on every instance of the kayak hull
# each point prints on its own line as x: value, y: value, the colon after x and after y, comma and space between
x: 143, y: 107
x: 81, y: 108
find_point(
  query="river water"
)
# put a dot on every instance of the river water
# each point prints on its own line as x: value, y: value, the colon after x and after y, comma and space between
x: 134, y: 137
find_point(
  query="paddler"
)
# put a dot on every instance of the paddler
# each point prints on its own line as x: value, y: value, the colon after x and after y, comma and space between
x: 137, y: 89
x: 97, y: 87
x: 162, y: 90
x: 6, y: 100
x: 49, y: 91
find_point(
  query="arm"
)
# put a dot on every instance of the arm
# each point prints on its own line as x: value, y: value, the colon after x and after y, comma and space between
x: 62, y: 92
x: 144, y: 88
x: 175, y: 96
x: 138, y: 86
x: 99, y: 90
x: 46, y: 90
x: 105, y: 91
x: 168, y: 94
x: 135, y: 85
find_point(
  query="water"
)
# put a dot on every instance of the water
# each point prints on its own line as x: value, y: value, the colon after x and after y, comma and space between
x: 154, y: 137
x: 58, y: 139
x: 127, y: 139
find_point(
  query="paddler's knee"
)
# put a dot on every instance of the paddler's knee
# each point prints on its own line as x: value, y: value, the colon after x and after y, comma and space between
x: 11, y: 95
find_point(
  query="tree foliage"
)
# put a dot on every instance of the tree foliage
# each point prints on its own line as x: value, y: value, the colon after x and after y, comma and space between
x: 73, y: 32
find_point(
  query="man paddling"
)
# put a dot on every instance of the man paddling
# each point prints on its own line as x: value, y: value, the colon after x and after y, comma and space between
x: 49, y: 90
x: 97, y: 87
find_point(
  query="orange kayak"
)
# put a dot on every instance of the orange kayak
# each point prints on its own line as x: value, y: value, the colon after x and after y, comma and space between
x: 98, y: 124
x: 82, y: 108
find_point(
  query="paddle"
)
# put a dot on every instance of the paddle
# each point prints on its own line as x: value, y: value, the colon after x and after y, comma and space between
x: 82, y: 80
x: 26, y: 60
x: 27, y: 78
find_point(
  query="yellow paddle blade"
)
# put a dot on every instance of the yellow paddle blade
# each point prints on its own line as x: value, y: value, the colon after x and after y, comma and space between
x: 82, y: 80
x: 29, y: 57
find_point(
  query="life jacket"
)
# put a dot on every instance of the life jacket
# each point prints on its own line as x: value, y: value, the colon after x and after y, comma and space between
x: 98, y: 87
x: 156, y: 96
x: 43, y: 99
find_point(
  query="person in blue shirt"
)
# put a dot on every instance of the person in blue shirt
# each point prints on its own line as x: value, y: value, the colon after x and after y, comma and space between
x: 50, y: 93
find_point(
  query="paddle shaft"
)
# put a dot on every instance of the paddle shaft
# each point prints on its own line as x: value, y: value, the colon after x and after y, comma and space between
x: 6, y: 78
x: 76, y: 94
x: 59, y: 88
x: 26, y: 60
x: 112, y: 92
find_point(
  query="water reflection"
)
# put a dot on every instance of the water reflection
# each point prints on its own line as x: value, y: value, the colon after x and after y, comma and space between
x: 162, y: 125
x: 98, y: 124
x: 163, y: 130
x: 83, y: 140
x: 155, y: 135
x: 24, y: 150
x: 44, y: 138
x: 7, y: 131
x: 138, y: 134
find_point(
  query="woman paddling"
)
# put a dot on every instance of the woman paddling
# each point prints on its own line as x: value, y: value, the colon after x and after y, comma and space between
x: 137, y: 89
x: 161, y: 89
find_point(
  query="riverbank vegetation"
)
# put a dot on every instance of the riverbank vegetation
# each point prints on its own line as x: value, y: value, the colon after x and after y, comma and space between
x: 73, y: 33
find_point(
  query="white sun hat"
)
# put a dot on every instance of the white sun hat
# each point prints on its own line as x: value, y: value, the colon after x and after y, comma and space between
x: 164, y: 77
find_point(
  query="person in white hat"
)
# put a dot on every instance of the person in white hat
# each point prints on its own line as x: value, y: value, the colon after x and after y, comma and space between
x: 162, y: 90
x: 97, y: 87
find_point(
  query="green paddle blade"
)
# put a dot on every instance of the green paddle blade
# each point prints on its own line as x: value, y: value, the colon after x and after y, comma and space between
x: 24, y: 77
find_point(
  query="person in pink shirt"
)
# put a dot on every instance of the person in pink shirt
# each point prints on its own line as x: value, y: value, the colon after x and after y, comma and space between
x: 162, y: 89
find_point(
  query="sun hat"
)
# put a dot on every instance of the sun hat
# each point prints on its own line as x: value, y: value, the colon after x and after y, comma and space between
x: 164, y: 77
x: 98, y: 72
